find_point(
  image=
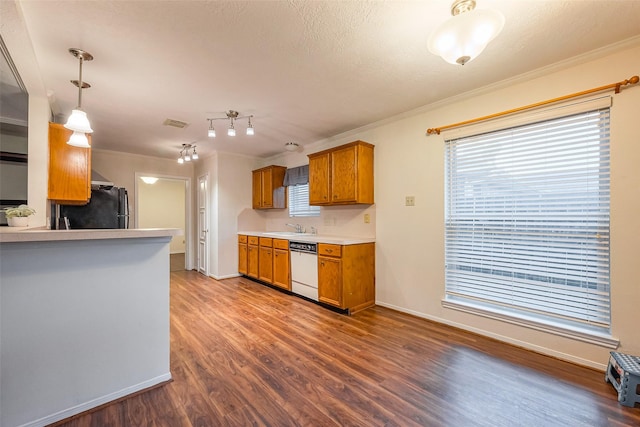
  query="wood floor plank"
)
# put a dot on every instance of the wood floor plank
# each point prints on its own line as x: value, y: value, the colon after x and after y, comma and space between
x: 244, y: 354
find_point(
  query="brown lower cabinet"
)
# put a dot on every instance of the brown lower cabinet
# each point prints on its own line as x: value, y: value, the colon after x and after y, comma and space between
x: 346, y: 276
x: 281, y: 264
x: 242, y: 255
x: 346, y: 273
x: 252, y: 256
x: 265, y: 260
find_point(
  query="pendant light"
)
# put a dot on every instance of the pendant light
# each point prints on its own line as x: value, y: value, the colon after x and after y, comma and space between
x: 212, y: 132
x: 464, y: 36
x: 78, y: 121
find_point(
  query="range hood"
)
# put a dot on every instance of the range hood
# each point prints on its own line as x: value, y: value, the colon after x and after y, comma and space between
x: 99, y: 181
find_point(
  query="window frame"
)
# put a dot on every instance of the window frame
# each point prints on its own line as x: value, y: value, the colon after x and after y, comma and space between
x: 299, y: 204
x: 597, y: 335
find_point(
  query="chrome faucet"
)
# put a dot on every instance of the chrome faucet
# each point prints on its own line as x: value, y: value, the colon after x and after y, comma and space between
x: 298, y: 227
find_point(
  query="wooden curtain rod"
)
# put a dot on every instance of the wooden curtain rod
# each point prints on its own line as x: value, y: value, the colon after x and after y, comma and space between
x: 633, y: 80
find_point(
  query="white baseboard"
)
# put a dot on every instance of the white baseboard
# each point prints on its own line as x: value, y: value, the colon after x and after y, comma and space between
x: 226, y: 276
x: 508, y: 340
x: 66, y: 413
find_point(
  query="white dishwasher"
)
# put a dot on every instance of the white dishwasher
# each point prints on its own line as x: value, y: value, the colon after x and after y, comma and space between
x: 304, y: 269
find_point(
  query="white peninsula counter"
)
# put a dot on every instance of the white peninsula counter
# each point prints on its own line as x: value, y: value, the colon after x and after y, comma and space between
x: 84, y: 319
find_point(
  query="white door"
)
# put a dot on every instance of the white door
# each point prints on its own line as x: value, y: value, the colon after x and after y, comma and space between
x: 203, y: 225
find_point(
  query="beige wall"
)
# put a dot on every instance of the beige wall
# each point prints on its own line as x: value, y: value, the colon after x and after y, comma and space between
x: 162, y: 205
x: 121, y: 169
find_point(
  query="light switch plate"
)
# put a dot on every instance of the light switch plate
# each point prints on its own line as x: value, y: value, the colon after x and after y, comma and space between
x: 410, y: 201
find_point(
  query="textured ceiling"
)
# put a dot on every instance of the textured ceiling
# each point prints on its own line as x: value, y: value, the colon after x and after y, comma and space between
x: 306, y: 70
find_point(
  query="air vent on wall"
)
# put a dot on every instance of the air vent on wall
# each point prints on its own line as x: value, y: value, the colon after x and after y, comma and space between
x: 175, y: 123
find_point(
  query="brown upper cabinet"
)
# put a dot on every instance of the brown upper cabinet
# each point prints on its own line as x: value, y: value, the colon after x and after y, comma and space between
x: 268, y: 191
x: 69, y: 168
x: 342, y: 175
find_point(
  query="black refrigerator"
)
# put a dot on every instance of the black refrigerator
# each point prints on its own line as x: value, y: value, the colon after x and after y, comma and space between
x: 108, y: 208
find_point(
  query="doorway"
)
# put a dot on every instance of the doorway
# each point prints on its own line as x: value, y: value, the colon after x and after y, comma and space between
x: 164, y: 202
x: 203, y: 225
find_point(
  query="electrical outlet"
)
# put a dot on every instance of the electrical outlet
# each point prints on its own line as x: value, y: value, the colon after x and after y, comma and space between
x: 367, y: 218
x: 410, y: 201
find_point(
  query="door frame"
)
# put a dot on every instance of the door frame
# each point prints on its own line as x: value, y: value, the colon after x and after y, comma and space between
x: 204, y: 177
x: 188, y: 221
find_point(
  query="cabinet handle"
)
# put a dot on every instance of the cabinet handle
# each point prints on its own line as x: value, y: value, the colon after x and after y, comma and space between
x: 329, y: 250
x: 322, y: 263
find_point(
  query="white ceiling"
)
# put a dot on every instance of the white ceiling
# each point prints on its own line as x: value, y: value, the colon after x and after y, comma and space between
x: 306, y: 70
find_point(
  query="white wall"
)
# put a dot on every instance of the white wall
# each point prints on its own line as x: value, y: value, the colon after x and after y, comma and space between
x: 19, y: 45
x: 410, y: 240
x: 86, y: 324
x: 229, y: 199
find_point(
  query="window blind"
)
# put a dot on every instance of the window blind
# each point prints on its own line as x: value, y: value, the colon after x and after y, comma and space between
x: 299, y: 202
x: 527, y: 219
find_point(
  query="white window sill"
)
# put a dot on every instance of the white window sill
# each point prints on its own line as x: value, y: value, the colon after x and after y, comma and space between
x: 560, y: 329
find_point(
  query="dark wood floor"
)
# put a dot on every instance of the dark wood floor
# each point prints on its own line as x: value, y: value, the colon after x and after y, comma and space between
x: 245, y: 354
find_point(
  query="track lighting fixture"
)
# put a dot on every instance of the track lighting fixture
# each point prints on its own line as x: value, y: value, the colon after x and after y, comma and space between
x: 78, y: 121
x: 232, y: 116
x: 187, y: 153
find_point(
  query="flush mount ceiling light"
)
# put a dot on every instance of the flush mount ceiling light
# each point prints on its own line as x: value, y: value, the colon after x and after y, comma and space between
x: 464, y: 36
x: 232, y: 116
x: 187, y: 153
x: 149, y: 179
x: 291, y: 146
x: 78, y: 121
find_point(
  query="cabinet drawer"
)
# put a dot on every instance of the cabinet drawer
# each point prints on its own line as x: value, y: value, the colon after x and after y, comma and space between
x: 253, y: 240
x: 281, y: 244
x: 266, y: 241
x: 329, y: 250
x: 242, y: 238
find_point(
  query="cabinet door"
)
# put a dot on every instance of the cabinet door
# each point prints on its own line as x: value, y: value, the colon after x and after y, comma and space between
x: 252, y: 261
x: 281, y: 268
x: 267, y: 188
x: 266, y: 264
x: 242, y: 258
x: 69, y: 168
x: 330, y: 280
x: 319, y: 180
x: 257, y: 189
x: 344, y: 167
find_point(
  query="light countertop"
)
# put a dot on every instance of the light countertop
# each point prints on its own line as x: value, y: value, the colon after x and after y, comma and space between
x: 41, y: 234
x: 311, y: 238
